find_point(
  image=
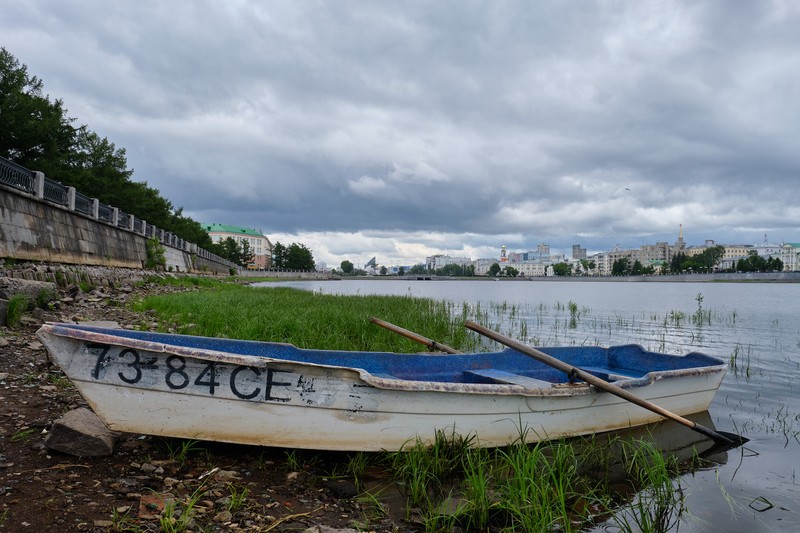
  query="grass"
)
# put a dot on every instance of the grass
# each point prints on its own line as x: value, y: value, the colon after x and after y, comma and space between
x: 237, y: 497
x: 740, y: 360
x: 178, y: 450
x: 124, y: 522
x: 306, y: 319
x: 659, y: 503
x: 549, y: 486
x: 23, y: 435
x: 18, y: 305
x: 178, y: 519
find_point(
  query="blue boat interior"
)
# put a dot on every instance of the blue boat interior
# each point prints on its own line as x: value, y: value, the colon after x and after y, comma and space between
x: 505, y: 366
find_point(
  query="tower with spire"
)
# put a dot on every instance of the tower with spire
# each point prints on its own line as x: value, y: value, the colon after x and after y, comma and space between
x: 680, y: 245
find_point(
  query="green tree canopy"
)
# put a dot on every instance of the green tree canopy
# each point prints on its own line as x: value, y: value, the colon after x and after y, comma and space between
x: 294, y: 257
x: 621, y: 267
x: 37, y: 133
x: 562, y: 269
x: 456, y: 270
x: 347, y: 267
x: 756, y: 263
x: 494, y: 270
x: 418, y: 269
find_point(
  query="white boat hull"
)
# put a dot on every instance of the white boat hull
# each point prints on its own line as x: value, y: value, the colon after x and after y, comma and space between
x: 181, y: 392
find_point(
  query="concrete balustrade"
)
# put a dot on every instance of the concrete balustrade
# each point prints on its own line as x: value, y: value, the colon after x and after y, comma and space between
x: 34, y: 228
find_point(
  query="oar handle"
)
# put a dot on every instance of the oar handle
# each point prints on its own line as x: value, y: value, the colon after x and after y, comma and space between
x: 573, y: 371
x: 430, y: 343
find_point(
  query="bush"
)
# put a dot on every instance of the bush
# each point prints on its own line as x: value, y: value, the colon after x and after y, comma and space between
x: 44, y: 298
x: 155, y: 254
x: 18, y: 305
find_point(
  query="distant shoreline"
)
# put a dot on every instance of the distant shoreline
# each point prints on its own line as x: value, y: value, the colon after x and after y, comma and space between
x: 737, y: 277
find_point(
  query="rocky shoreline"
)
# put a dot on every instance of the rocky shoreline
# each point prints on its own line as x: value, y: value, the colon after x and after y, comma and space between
x: 193, y: 486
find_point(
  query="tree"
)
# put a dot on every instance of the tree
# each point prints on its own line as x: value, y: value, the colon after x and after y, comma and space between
x: 494, y: 270
x: 300, y: 257
x: 774, y: 265
x: 102, y: 168
x: 231, y: 251
x: 37, y: 133
x: 401, y: 271
x: 755, y: 263
x: 562, y: 269
x: 294, y: 257
x: 621, y: 267
x: 279, y: 256
x: 347, y: 267
x: 418, y: 269
x: 384, y: 270
x: 246, y: 255
x: 511, y: 272
x: 450, y: 270
x: 711, y: 257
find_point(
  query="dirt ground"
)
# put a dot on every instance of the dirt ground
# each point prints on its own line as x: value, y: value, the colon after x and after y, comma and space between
x: 209, y: 486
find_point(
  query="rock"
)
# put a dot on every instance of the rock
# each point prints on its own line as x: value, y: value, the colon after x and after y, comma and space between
x: 3, y: 342
x: 31, y: 289
x: 34, y: 345
x: 81, y: 433
x: 342, y: 488
x: 224, y: 516
x: 152, y: 505
x: 227, y: 475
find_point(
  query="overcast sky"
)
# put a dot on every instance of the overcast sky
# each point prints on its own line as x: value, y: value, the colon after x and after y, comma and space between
x: 404, y: 129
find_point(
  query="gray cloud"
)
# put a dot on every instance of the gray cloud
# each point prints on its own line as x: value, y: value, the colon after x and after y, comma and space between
x: 419, y: 127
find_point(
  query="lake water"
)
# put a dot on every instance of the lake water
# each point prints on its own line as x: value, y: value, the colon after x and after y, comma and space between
x: 753, y: 326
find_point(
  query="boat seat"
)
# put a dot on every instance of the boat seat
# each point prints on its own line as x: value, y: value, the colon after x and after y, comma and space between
x: 501, y: 376
x: 614, y: 374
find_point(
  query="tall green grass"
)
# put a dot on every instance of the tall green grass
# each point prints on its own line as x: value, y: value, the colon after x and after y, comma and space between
x: 549, y: 486
x: 308, y: 319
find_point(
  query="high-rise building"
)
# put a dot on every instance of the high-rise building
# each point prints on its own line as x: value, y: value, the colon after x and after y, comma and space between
x: 578, y: 252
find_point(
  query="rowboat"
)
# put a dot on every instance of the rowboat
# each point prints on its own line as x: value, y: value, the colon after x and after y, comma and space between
x: 275, y: 394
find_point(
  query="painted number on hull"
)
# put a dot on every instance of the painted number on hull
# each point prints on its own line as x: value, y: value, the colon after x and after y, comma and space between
x: 245, y: 382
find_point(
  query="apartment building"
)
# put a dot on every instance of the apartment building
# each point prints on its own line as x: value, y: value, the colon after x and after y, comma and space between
x: 790, y: 256
x: 259, y: 243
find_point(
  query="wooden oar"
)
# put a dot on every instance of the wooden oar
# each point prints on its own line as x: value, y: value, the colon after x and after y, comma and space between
x: 728, y: 439
x: 413, y: 336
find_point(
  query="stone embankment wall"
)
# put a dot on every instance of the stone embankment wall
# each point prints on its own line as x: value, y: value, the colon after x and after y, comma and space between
x: 35, y: 230
x: 63, y: 276
x: 285, y: 274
